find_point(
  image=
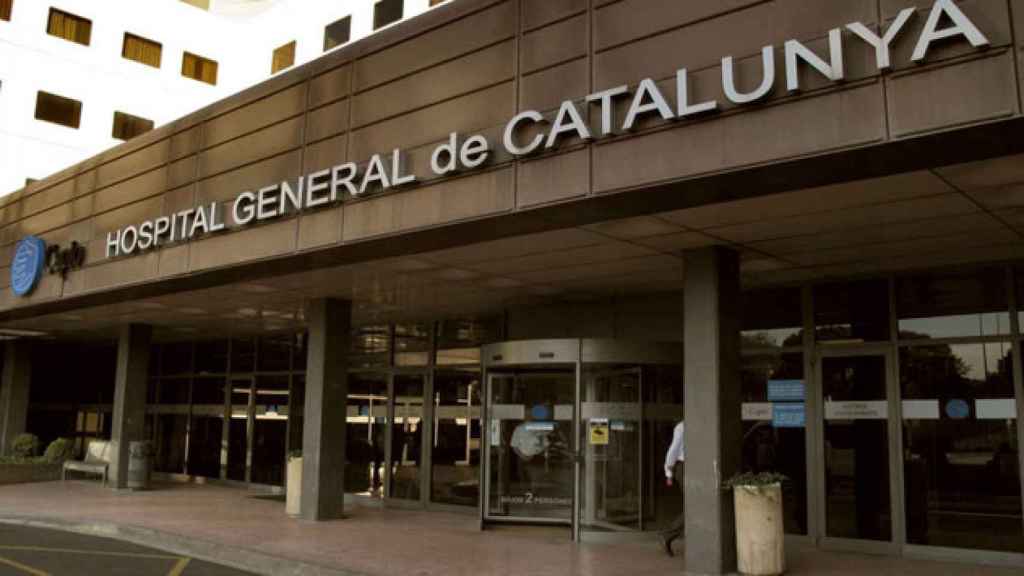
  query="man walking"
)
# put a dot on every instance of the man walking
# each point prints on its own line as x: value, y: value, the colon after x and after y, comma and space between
x: 675, y: 471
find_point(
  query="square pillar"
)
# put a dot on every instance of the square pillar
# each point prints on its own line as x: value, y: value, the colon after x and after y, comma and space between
x: 713, y: 434
x: 129, y: 398
x: 14, y: 389
x: 324, y: 413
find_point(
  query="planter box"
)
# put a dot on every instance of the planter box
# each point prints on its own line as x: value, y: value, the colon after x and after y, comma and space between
x: 760, y: 549
x: 293, y: 503
x: 22, y: 473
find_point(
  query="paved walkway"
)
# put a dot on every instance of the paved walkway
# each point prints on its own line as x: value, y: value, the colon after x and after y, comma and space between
x: 40, y: 552
x: 232, y: 524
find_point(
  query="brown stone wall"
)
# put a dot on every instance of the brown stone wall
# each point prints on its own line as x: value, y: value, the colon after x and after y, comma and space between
x: 469, y: 67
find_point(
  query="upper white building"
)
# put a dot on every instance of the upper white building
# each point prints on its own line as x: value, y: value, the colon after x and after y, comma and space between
x: 80, y: 76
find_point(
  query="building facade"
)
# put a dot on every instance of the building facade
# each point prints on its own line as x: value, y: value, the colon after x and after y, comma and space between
x: 487, y: 258
x: 79, y: 77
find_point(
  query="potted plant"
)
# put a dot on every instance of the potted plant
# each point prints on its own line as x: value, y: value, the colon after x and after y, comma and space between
x: 760, y: 549
x: 293, y: 501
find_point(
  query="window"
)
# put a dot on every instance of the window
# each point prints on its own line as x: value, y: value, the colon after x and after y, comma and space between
x: 199, y: 68
x: 953, y: 305
x: 5, y: 9
x: 385, y: 12
x: 771, y: 318
x: 852, y: 312
x: 69, y: 27
x: 960, y: 451
x: 338, y: 33
x: 59, y: 110
x: 370, y: 347
x: 412, y: 344
x: 284, y: 57
x: 141, y: 50
x: 127, y: 126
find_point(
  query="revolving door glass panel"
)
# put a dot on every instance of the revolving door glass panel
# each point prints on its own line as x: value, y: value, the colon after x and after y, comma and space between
x: 531, y: 463
x: 611, y: 438
x: 627, y: 417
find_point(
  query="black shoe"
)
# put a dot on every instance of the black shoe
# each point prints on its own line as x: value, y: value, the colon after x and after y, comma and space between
x: 667, y: 542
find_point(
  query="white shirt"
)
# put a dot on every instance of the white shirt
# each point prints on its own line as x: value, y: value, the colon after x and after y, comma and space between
x: 529, y: 441
x: 676, y: 452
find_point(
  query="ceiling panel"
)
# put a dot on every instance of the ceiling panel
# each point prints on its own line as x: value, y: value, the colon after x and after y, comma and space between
x: 679, y: 241
x: 999, y: 197
x: 515, y: 247
x: 637, y: 282
x: 860, y: 217
x: 986, y: 173
x: 811, y: 200
x: 632, y: 228
x: 784, y: 276
x: 875, y: 252
x: 895, y: 232
x: 608, y: 251
x: 618, y: 267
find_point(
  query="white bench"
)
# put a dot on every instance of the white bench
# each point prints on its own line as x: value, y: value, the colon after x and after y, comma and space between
x: 97, y: 461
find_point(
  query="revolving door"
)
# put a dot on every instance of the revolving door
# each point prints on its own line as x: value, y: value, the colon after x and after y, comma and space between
x: 576, y: 434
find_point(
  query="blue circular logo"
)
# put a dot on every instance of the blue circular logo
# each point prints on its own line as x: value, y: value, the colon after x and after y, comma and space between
x: 27, y: 265
x: 957, y: 409
x: 540, y: 412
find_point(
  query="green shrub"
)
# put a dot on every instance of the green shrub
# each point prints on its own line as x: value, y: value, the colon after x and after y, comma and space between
x: 754, y: 480
x: 58, y: 451
x: 25, y: 446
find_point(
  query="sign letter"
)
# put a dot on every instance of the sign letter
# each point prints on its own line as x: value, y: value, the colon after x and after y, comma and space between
x: 962, y: 26
x: 881, y: 45
x: 729, y: 79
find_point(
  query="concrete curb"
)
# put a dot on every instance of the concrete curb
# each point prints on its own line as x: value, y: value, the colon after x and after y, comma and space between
x: 234, y: 557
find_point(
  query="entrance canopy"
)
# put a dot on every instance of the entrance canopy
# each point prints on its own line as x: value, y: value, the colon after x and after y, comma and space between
x: 946, y: 216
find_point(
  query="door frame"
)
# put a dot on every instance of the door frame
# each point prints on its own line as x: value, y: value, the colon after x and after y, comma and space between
x: 895, y: 544
x: 485, y: 457
x: 225, y: 455
x: 426, y: 425
x: 582, y: 433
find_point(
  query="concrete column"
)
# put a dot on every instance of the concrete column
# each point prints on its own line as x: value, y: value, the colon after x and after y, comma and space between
x: 713, y: 435
x: 17, y: 374
x: 323, y: 429
x: 129, y: 398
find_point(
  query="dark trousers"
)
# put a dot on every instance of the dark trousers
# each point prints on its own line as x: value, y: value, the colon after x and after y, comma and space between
x: 678, y: 526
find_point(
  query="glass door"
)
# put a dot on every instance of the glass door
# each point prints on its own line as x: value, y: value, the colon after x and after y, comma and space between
x: 856, y: 448
x: 239, y: 458
x: 530, y: 465
x: 611, y: 497
x: 407, y: 420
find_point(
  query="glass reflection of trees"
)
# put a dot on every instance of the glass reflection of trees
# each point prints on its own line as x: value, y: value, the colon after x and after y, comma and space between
x: 961, y: 472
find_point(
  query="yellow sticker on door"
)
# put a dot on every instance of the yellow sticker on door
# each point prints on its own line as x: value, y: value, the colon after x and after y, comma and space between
x: 599, y: 431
